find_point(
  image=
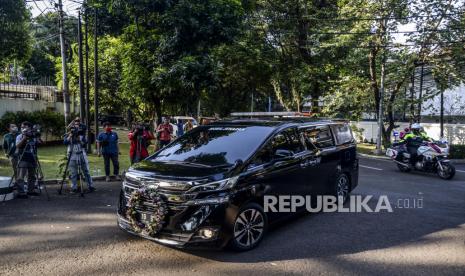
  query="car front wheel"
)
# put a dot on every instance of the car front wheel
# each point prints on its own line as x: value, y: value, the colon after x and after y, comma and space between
x: 249, y: 227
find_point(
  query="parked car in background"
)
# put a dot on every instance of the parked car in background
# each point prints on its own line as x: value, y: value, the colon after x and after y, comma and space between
x: 208, y: 186
x: 175, y: 120
x: 116, y: 120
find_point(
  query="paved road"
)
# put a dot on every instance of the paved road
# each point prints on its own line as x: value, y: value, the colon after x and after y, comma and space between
x: 75, y: 236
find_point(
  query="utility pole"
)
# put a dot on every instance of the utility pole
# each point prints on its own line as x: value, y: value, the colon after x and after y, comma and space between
x: 379, y: 149
x: 81, y: 71
x: 95, y: 74
x: 442, y: 114
x: 412, y: 97
x: 63, y: 63
x: 421, y: 93
x: 89, y: 146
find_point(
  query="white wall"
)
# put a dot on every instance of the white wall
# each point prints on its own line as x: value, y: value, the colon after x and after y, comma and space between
x: 15, y: 105
x: 454, y: 133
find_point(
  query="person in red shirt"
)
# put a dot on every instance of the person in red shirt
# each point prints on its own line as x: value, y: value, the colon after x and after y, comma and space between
x: 164, y: 132
x: 140, y: 138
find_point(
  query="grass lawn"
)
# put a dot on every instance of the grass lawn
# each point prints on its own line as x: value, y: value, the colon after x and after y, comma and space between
x: 51, y: 156
x: 366, y: 148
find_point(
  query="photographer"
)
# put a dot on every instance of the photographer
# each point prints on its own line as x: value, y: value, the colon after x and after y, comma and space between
x: 9, y: 146
x: 76, y: 141
x: 164, y: 132
x: 107, y: 145
x: 26, y: 151
x: 140, y: 137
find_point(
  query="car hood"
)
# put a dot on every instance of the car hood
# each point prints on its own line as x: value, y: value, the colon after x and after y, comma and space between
x: 180, y: 171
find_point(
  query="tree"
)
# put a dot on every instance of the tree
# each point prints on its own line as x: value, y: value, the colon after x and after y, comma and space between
x: 431, y: 44
x: 14, y: 31
x: 169, y: 46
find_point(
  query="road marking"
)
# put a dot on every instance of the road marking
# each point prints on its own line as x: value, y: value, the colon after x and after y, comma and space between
x: 373, y: 168
x: 460, y: 171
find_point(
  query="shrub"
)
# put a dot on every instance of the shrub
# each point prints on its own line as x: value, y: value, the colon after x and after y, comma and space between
x: 457, y: 152
x: 51, y: 123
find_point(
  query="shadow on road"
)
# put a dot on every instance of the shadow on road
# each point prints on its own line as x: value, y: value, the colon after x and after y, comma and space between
x: 37, y: 229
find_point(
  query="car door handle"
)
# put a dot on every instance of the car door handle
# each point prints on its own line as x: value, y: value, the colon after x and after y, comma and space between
x: 310, y: 162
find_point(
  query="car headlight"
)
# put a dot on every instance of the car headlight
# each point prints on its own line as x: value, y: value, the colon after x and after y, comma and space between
x: 216, y: 186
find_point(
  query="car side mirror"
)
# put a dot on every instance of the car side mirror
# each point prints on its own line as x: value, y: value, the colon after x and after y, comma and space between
x: 282, y: 153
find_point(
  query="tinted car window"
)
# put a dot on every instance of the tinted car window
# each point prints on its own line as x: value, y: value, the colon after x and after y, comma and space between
x: 215, y: 145
x: 285, y: 140
x: 342, y: 133
x: 318, y: 136
x: 295, y: 144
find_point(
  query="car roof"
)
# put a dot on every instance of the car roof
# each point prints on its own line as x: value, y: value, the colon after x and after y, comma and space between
x: 276, y: 122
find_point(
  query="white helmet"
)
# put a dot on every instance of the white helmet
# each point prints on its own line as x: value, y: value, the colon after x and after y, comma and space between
x: 415, y: 126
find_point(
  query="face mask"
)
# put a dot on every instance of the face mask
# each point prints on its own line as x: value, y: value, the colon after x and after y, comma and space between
x: 23, y: 130
x: 14, y: 129
x: 108, y: 129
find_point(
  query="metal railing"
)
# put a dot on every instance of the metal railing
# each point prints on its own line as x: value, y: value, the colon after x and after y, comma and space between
x: 32, y: 92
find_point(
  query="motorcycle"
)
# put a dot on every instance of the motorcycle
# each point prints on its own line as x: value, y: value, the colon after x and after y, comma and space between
x: 430, y: 157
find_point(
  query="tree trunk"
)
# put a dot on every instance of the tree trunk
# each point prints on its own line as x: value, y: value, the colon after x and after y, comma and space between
x: 373, y: 77
x: 157, y: 106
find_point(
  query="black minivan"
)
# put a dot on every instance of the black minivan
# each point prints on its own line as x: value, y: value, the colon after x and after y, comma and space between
x: 207, y: 187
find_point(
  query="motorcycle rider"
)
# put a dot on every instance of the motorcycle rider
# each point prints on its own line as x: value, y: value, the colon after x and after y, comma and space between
x: 413, y: 140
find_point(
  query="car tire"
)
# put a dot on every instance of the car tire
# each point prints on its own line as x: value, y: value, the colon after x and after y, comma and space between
x: 249, y: 227
x: 341, y: 187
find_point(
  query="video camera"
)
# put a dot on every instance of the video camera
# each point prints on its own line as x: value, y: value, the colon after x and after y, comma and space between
x: 77, y: 131
x: 140, y: 127
x: 33, y: 133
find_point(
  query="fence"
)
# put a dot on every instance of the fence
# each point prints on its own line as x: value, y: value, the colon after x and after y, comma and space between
x: 31, y: 92
x: 454, y: 133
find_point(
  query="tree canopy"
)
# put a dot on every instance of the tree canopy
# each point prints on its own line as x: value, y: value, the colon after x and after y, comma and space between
x: 14, y: 31
x: 324, y: 56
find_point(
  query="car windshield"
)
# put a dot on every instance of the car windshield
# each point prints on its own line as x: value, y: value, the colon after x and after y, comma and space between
x: 214, y: 145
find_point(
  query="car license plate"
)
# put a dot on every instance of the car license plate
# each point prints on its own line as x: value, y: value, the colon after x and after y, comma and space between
x: 145, y: 217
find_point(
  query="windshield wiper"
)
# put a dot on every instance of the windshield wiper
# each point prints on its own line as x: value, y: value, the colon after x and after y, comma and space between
x: 186, y: 163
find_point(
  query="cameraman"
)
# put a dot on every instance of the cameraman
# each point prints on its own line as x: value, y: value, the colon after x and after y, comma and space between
x: 76, y: 141
x: 164, y: 132
x: 140, y: 137
x: 9, y: 146
x: 26, y: 151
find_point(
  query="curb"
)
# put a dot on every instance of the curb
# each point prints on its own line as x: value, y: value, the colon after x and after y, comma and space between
x: 373, y: 156
x: 455, y: 161
x: 58, y: 181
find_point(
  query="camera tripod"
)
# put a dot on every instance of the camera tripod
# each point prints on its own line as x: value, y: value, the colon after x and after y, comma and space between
x: 39, y: 175
x: 76, y: 149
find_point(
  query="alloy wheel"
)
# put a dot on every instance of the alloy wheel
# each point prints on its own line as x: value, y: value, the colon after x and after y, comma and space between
x: 249, y: 227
